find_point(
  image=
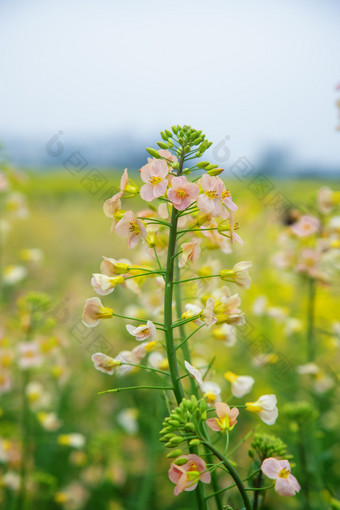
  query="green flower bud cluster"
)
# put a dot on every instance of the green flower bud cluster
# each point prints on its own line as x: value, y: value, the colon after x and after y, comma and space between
x: 182, y: 139
x: 183, y: 424
x: 268, y: 445
x: 301, y: 413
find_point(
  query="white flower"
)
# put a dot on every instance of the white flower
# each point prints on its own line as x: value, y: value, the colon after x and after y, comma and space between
x: 194, y: 372
x: 127, y: 419
x: 13, y: 274
x: 238, y: 274
x: 211, y: 392
x: 29, y: 355
x: 36, y: 395
x: 265, y: 407
x: 76, y: 440
x: 105, y: 363
x: 208, y: 313
x: 226, y: 333
x: 142, y: 332
x: 49, y: 421
x: 240, y: 384
x: 135, y: 357
x: 104, y: 284
x: 308, y: 368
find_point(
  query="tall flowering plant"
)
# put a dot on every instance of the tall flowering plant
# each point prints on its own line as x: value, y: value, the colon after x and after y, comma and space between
x: 187, y: 211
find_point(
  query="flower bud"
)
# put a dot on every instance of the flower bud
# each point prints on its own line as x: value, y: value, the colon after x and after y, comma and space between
x: 164, y: 136
x: 175, y: 423
x: 202, y: 164
x: 215, y: 171
x: 181, y: 461
x: 168, y: 133
x: 190, y: 427
x: 162, y: 145
x: 194, y: 442
x: 176, y: 440
x: 153, y: 152
x: 175, y: 166
x: 174, y: 129
x: 174, y: 454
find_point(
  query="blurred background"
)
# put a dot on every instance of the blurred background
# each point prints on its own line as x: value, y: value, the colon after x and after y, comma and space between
x: 111, y: 74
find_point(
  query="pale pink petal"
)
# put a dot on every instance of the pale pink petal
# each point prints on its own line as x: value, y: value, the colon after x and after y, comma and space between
x: 271, y: 467
x: 222, y: 409
x: 146, y: 192
x: 285, y: 488
x: 212, y: 423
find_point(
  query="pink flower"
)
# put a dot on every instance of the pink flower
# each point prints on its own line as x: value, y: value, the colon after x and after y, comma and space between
x: 132, y: 228
x: 94, y: 311
x: 113, y: 267
x: 209, y: 201
x: 186, y: 477
x: 29, y: 355
x: 105, y: 363
x: 190, y: 252
x: 182, y: 193
x: 308, y: 262
x: 207, y: 314
x: 167, y: 155
x: 286, y: 484
x: 5, y: 382
x: 306, y: 226
x: 104, y: 284
x: 113, y: 204
x: 226, y: 197
x: 226, y: 418
x: 227, y: 311
x: 135, y: 357
x: 194, y: 373
x: 142, y: 332
x: 154, y: 175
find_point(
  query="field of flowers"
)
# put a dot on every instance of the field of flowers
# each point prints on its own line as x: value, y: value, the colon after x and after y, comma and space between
x: 171, y: 345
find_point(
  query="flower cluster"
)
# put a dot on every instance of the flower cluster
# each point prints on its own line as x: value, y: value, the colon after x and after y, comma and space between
x: 183, y: 213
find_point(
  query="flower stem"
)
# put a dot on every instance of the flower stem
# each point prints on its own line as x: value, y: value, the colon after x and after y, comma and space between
x: 310, y: 320
x: 168, y: 297
x: 116, y: 390
x: 233, y: 473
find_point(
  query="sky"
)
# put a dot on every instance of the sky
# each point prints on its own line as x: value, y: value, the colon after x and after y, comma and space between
x: 261, y: 72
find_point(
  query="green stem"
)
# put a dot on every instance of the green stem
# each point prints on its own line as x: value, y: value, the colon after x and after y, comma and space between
x: 233, y: 473
x: 257, y: 485
x: 168, y: 296
x: 310, y: 320
x: 147, y: 368
x: 138, y: 320
x: 181, y: 345
x: 197, y: 278
x: 25, y: 431
x: 125, y: 388
x: 170, y: 345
